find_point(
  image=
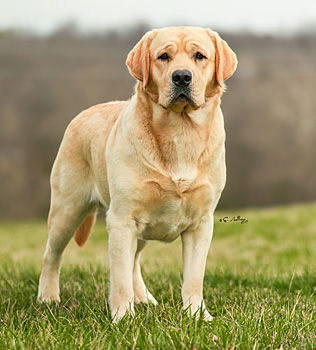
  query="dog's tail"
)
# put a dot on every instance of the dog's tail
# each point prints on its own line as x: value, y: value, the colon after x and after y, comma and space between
x: 83, y: 231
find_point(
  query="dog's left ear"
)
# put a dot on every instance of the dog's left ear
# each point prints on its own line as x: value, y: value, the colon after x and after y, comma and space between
x: 225, y: 59
x: 138, y: 59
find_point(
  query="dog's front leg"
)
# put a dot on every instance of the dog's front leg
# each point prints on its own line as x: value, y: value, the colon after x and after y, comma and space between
x: 195, y: 246
x: 122, y: 248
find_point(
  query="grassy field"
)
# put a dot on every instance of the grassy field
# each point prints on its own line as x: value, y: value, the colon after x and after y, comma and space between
x: 260, y: 285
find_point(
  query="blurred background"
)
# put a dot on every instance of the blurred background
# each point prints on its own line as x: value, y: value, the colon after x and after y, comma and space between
x: 58, y: 58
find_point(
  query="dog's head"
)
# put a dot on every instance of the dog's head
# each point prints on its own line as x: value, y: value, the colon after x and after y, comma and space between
x: 181, y: 66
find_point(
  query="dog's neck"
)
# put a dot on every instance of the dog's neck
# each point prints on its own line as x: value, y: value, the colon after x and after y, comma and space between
x: 179, y: 141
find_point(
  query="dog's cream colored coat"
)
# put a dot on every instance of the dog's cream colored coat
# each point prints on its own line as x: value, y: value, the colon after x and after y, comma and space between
x: 156, y: 164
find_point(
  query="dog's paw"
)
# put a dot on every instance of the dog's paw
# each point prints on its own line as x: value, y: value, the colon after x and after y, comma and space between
x: 145, y: 298
x: 152, y: 300
x: 121, y: 312
x: 197, y: 310
x: 48, y: 298
x: 206, y: 316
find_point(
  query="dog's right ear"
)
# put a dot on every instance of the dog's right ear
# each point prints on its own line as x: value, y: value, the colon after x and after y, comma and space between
x: 138, y: 60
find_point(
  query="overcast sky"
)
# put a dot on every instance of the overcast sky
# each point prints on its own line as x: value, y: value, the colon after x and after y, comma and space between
x: 264, y: 16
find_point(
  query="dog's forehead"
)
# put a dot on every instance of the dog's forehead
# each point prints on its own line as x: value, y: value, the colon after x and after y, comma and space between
x: 180, y: 36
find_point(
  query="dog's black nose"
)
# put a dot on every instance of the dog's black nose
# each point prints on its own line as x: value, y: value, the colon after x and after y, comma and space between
x: 181, y: 77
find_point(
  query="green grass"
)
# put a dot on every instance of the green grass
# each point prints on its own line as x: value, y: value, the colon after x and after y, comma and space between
x: 260, y: 285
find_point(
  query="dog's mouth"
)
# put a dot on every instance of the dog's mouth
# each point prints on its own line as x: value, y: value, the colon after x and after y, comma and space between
x: 181, y: 97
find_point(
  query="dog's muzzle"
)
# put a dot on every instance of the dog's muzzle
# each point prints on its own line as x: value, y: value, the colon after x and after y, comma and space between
x: 181, y: 87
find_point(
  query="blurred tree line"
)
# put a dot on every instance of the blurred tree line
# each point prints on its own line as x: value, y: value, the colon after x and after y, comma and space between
x: 269, y: 110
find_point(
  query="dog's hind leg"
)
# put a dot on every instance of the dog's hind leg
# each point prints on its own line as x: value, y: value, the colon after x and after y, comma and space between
x: 69, y: 209
x: 141, y: 293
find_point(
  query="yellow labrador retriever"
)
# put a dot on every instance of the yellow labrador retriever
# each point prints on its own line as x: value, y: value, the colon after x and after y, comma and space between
x: 155, y: 162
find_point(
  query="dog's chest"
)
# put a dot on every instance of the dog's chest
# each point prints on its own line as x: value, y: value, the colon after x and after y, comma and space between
x: 172, y: 207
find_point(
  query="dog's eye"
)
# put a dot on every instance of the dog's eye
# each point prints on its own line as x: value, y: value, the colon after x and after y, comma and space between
x: 199, y: 56
x: 164, y: 57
